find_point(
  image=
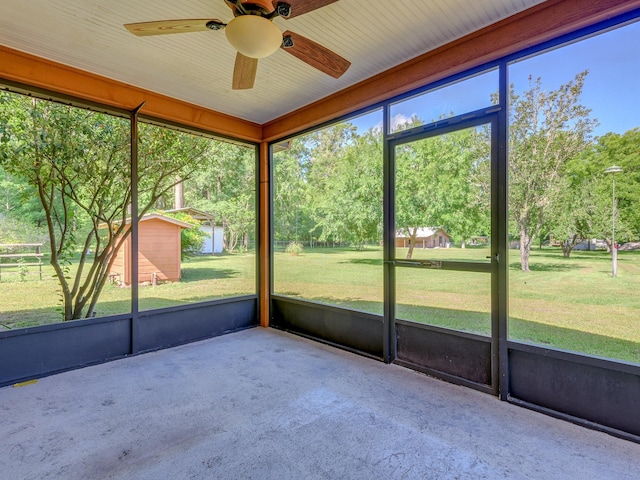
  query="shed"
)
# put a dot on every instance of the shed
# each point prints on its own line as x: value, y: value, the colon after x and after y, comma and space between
x: 427, y: 237
x: 213, y: 242
x: 158, y: 251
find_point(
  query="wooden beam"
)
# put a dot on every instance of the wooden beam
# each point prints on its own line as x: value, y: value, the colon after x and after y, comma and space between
x: 265, y: 265
x: 538, y: 24
x: 37, y: 72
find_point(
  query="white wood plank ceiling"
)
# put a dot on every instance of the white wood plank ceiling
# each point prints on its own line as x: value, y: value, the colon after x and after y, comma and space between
x: 374, y: 35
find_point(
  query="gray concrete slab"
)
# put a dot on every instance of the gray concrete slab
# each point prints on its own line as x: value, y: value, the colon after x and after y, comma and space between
x: 263, y: 404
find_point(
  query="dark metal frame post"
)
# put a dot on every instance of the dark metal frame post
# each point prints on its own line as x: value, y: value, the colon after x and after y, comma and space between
x: 388, y: 236
x: 263, y: 230
x: 134, y: 230
x: 271, y: 213
x: 500, y: 215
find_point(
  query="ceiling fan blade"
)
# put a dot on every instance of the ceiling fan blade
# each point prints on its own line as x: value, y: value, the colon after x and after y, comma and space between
x: 244, y: 72
x: 315, y: 54
x: 300, y: 7
x: 164, y: 27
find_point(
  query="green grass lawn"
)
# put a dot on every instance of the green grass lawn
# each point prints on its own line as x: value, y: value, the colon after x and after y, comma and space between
x: 572, y: 304
x: 34, y: 302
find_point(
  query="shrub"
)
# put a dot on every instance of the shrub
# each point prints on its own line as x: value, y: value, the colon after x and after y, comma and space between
x: 191, y: 239
x: 294, y: 248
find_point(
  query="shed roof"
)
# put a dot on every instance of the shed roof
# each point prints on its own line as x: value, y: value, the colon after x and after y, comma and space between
x: 157, y: 216
x: 164, y: 218
x: 193, y: 213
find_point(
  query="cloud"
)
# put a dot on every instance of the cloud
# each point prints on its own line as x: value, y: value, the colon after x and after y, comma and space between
x: 397, y: 121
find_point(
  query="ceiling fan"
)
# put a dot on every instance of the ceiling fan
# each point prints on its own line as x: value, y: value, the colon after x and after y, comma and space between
x: 254, y: 35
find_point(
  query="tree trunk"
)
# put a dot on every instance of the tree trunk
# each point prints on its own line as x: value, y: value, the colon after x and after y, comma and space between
x: 412, y: 241
x: 567, y: 246
x: 178, y: 195
x: 566, y: 249
x: 525, y: 250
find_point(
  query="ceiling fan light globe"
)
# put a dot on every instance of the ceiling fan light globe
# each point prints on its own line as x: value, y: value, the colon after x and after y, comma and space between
x: 253, y: 36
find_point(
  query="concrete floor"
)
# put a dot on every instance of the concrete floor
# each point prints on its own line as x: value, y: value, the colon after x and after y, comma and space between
x: 263, y: 404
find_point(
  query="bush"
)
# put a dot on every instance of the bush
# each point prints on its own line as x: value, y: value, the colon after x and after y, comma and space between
x: 294, y: 248
x: 191, y: 239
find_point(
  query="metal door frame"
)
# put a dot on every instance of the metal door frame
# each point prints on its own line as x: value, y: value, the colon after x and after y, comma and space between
x: 496, y: 267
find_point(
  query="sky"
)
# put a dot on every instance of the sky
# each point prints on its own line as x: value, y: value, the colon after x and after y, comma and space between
x: 611, y: 91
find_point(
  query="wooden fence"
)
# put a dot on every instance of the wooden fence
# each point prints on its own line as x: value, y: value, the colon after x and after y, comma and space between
x: 17, y: 258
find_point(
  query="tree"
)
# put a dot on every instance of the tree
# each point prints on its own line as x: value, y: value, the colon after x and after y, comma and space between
x: 326, y: 162
x: 21, y: 216
x: 310, y: 194
x: 192, y: 238
x: 290, y: 197
x: 622, y: 150
x: 238, y: 215
x: 464, y: 183
x: 78, y: 161
x: 570, y: 215
x: 444, y: 181
x: 546, y: 130
x: 415, y: 193
x: 225, y: 187
x: 583, y: 209
x: 350, y: 205
x: 413, y: 162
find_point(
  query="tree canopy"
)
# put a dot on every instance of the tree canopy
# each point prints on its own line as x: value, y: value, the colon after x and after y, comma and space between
x: 78, y: 163
x: 444, y: 181
x: 546, y: 131
x: 64, y: 171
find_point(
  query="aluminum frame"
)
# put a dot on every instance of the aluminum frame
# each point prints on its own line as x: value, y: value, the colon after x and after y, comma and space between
x: 507, y: 371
